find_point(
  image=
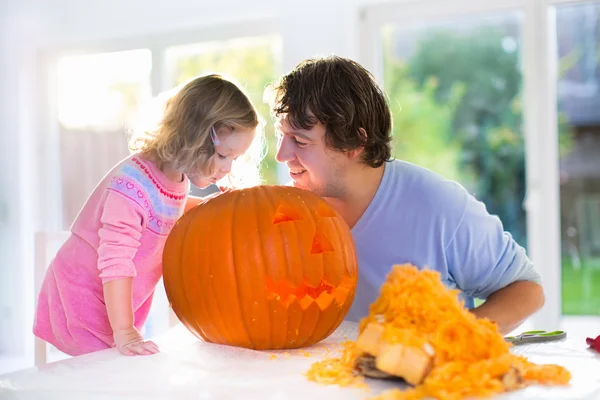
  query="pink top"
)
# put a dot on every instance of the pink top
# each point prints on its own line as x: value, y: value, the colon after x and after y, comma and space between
x: 120, y: 232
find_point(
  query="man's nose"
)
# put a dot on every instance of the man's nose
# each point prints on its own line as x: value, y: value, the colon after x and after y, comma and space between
x: 284, y: 151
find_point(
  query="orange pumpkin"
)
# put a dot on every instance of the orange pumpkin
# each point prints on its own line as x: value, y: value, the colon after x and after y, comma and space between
x: 269, y: 267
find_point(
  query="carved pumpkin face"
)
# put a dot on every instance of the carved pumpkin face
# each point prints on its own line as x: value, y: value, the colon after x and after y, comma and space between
x: 269, y: 267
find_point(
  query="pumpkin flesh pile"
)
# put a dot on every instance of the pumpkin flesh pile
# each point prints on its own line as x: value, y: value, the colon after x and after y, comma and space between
x: 417, y: 318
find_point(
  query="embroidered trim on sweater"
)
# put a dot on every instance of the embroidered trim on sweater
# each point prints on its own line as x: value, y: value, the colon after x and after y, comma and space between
x: 158, y: 186
x: 162, y: 210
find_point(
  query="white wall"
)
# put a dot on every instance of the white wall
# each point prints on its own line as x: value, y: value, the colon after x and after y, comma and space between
x: 308, y: 28
x: 18, y: 30
x: 8, y: 223
x: 315, y: 26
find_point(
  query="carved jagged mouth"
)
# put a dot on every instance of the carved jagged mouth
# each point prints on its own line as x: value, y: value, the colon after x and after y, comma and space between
x: 323, y: 294
x: 285, y: 289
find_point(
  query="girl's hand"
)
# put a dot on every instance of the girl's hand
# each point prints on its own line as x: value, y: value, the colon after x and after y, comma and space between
x: 129, y: 342
x: 118, y: 295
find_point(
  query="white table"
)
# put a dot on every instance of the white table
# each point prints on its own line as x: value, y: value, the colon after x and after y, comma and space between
x: 188, y: 368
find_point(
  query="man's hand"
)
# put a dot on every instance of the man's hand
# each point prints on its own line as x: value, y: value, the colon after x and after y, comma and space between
x: 509, y: 307
x: 129, y: 342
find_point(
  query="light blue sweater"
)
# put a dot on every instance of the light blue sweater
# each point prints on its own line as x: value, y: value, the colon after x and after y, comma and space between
x: 421, y: 218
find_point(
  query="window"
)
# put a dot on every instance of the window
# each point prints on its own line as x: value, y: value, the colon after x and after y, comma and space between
x: 578, y: 89
x: 455, y: 92
x: 253, y: 62
x: 475, y: 99
x: 98, y: 98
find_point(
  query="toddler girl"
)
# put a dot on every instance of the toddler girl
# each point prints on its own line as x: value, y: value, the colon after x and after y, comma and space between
x: 98, y: 290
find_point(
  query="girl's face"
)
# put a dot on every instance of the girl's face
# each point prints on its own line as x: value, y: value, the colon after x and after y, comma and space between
x: 229, y: 145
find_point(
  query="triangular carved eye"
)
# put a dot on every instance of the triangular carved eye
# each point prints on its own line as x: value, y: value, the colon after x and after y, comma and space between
x: 324, y: 210
x: 320, y: 244
x: 285, y: 213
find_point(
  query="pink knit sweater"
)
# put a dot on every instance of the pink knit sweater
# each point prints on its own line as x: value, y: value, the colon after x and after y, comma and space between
x: 120, y: 232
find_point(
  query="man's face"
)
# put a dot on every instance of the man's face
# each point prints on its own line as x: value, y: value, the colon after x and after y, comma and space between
x: 312, y: 165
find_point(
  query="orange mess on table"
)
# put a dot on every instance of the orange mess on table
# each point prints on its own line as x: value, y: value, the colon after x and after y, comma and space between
x: 452, y: 355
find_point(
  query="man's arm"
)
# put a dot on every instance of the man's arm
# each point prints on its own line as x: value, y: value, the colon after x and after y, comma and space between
x: 511, y: 306
x: 487, y: 263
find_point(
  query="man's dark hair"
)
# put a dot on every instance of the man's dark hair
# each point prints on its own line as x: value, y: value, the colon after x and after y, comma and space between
x: 343, y: 96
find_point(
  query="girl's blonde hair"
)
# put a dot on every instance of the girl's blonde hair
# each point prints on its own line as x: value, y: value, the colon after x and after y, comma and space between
x: 181, y: 135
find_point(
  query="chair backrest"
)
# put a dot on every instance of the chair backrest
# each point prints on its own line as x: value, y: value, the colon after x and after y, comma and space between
x: 46, y: 245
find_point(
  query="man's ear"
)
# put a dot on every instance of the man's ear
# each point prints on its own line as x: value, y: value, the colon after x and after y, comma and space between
x: 357, y: 152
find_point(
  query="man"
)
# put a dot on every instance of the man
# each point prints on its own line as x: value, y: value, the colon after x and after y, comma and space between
x: 335, y: 127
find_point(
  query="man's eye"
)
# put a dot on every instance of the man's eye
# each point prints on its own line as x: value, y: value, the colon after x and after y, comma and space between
x: 299, y: 143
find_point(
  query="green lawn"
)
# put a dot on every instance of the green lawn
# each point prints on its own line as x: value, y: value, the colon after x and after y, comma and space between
x: 581, y: 288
